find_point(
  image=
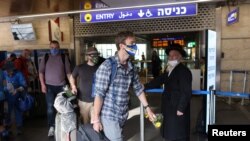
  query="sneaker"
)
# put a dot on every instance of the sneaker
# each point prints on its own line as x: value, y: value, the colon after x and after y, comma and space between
x: 19, y: 131
x: 51, y: 131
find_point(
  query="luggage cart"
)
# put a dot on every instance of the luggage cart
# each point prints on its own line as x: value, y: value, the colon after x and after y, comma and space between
x: 243, y: 74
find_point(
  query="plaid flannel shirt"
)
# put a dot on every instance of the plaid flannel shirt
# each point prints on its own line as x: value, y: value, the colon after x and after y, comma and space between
x: 115, y: 95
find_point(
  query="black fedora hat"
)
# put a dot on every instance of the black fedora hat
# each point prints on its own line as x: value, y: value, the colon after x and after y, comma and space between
x: 176, y: 47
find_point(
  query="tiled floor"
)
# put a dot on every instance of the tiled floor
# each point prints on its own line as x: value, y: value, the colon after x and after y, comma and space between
x: 35, y: 129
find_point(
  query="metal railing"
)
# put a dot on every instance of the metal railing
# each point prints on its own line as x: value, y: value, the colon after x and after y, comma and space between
x: 237, y: 79
x: 210, y: 115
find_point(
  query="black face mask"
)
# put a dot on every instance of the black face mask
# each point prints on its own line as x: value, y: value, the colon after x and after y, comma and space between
x: 95, y: 59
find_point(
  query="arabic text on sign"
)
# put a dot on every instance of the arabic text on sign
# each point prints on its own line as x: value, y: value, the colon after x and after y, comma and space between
x: 124, y: 15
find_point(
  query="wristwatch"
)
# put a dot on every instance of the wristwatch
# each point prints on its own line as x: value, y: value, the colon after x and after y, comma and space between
x: 147, y: 106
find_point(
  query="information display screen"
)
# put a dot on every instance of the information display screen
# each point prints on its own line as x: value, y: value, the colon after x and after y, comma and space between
x: 23, y: 31
x: 165, y: 42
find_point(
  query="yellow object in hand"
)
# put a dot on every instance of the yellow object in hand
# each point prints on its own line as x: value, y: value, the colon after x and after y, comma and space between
x: 158, y: 120
x: 146, y: 115
x: 157, y: 124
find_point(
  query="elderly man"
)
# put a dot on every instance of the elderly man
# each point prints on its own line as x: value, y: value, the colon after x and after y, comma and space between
x: 176, y: 95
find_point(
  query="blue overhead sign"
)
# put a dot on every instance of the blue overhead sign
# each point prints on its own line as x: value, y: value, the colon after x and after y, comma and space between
x: 233, y: 16
x: 139, y: 13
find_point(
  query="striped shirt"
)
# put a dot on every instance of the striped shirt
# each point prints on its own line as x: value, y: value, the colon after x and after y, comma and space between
x: 115, y: 95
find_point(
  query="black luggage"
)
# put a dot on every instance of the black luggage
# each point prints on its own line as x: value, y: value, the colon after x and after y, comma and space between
x: 87, y: 133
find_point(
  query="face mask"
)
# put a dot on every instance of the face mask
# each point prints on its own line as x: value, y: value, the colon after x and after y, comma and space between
x: 95, y: 60
x: 131, y: 49
x: 172, y: 63
x: 54, y: 51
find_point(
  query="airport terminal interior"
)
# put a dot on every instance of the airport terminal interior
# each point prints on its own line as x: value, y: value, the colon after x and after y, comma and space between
x: 217, y: 54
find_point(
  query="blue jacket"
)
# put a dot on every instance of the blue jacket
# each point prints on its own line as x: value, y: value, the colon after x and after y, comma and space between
x: 17, y: 80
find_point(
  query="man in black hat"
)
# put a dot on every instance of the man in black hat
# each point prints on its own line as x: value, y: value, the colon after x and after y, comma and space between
x: 176, y: 96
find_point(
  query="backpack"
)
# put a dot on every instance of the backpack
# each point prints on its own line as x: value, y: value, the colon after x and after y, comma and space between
x: 112, y: 76
x: 46, y: 57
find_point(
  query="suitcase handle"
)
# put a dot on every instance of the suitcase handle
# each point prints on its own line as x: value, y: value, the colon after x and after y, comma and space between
x: 102, y: 136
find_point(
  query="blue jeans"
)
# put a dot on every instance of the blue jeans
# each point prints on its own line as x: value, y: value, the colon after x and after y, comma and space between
x: 52, y: 91
x: 13, y: 106
x: 112, y: 130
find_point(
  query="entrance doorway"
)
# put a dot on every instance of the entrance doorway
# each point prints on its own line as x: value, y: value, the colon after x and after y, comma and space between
x: 147, y: 43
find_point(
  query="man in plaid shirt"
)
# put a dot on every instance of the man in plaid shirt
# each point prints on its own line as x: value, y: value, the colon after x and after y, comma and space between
x: 111, y: 96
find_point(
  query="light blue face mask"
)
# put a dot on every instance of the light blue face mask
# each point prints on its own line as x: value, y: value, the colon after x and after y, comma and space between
x: 131, y: 49
x: 54, y: 51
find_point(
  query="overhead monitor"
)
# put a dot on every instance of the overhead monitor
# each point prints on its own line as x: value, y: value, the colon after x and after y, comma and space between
x: 23, y: 31
x: 165, y: 42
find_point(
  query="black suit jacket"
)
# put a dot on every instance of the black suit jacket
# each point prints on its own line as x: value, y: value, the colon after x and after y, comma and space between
x: 176, y: 96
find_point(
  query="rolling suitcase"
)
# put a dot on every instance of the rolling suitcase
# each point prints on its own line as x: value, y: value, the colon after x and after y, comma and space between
x: 87, y: 133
